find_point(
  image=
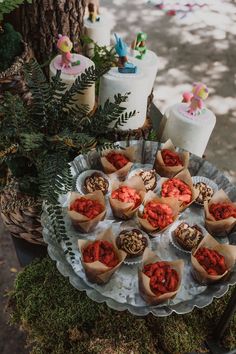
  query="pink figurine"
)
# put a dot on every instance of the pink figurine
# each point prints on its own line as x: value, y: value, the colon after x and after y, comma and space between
x: 65, y: 45
x: 187, y: 96
x: 196, y: 97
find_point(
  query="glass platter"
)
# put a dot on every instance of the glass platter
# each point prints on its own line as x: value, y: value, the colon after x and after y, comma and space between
x: 121, y: 292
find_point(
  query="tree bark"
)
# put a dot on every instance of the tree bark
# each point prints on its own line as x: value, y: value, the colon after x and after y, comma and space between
x: 41, y: 22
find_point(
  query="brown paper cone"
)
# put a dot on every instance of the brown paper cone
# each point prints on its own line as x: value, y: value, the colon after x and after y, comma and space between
x: 144, y: 281
x: 109, y: 169
x: 173, y: 203
x: 218, y: 227
x: 170, y: 171
x: 98, y: 272
x: 228, y: 251
x: 184, y: 176
x: 81, y: 222
x: 123, y: 210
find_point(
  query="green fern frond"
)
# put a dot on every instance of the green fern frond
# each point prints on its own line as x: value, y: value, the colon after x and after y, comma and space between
x: 59, y: 231
x: 80, y: 142
x: 40, y: 90
x: 107, y: 115
x: 31, y: 141
x: 83, y: 82
x: 122, y: 120
x: 54, y: 171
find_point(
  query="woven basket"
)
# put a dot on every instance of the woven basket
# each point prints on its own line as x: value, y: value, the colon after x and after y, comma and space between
x: 21, y: 214
x: 12, y: 79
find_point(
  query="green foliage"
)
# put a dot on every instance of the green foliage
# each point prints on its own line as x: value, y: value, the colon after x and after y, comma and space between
x: 75, y: 324
x: 7, y: 6
x: 152, y: 136
x: 37, y: 142
x: 101, y: 55
x: 10, y: 46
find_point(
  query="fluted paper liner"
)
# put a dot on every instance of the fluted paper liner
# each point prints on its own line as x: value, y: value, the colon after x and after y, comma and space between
x: 173, y: 204
x: 97, y: 272
x: 123, y: 210
x: 228, y: 251
x: 81, y: 222
x: 186, y: 178
x: 144, y: 281
x: 109, y: 169
x: 170, y: 171
x: 218, y: 227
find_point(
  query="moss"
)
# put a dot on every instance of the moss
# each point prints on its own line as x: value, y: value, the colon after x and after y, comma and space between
x: 10, y: 46
x: 59, y: 319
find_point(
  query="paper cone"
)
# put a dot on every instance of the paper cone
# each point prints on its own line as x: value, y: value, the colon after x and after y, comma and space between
x: 109, y: 169
x: 170, y: 171
x: 98, y: 272
x: 218, y: 227
x: 184, y: 176
x: 81, y: 222
x: 123, y: 210
x: 173, y: 204
x: 228, y: 251
x: 144, y: 281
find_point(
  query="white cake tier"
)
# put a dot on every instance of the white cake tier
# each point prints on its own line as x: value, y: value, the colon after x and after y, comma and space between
x: 186, y: 131
x: 69, y: 75
x: 99, y: 32
x: 114, y: 83
x: 148, y: 65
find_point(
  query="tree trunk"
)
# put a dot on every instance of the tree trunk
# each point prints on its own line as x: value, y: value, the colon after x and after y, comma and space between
x: 41, y: 22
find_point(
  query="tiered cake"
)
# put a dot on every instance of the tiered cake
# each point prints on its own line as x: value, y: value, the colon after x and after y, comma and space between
x: 96, y: 26
x: 72, y: 66
x: 189, y: 125
x: 114, y: 83
x: 135, y: 74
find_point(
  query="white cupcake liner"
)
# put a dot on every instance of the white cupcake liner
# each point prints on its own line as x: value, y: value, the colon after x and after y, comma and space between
x: 129, y: 225
x: 136, y: 169
x: 174, y: 242
x: 83, y: 175
x: 207, y: 181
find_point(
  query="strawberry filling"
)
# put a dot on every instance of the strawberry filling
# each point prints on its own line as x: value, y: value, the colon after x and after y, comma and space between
x: 102, y: 251
x: 158, y: 215
x: 212, y: 261
x: 176, y: 188
x: 87, y: 207
x: 127, y: 195
x: 222, y: 211
x: 117, y: 160
x: 163, y: 278
x: 171, y: 158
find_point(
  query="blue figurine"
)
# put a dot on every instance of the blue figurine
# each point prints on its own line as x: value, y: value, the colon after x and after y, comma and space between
x: 123, y: 65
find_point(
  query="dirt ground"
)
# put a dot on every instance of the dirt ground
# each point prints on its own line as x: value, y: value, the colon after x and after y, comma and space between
x: 200, y: 47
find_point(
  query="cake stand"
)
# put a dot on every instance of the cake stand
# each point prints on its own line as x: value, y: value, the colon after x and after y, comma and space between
x: 146, y: 151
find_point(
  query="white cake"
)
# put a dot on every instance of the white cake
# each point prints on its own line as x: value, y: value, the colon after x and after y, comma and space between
x: 99, y: 32
x: 113, y: 83
x: 148, y: 65
x: 69, y: 75
x: 190, y: 132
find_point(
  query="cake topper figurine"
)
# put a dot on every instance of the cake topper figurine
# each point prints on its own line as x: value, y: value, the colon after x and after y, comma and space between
x: 93, y: 13
x: 95, y: 3
x: 124, y: 66
x: 199, y: 94
x: 139, y: 44
x: 65, y: 46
